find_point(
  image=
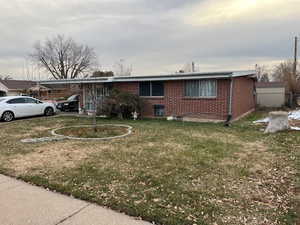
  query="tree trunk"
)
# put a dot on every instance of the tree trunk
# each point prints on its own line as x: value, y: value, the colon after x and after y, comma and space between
x: 95, y: 122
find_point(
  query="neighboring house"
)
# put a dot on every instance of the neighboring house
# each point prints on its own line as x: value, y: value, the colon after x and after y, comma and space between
x: 218, y: 96
x: 270, y: 94
x: 15, y: 87
x: 60, y: 91
x: 34, y: 89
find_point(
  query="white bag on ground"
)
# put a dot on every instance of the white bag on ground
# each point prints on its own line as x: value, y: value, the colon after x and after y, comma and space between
x: 278, y: 122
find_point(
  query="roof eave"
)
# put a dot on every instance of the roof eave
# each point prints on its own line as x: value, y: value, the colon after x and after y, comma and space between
x: 172, y: 77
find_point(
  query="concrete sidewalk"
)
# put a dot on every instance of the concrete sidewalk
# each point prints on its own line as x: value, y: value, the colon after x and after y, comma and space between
x: 24, y: 204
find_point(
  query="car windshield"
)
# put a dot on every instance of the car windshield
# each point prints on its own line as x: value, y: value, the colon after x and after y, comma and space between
x: 72, y: 98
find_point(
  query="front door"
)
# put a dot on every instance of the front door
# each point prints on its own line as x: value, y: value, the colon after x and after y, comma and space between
x: 94, y: 96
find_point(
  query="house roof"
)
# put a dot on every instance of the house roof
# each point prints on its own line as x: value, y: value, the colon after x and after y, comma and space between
x: 59, y: 86
x: 18, y: 84
x: 177, y: 76
x: 270, y: 85
x: 39, y: 88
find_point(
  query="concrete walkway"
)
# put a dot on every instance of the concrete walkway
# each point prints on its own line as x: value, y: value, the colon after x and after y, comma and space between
x: 24, y: 204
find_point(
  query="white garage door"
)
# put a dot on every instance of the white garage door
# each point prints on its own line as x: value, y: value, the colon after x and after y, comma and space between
x: 270, y: 97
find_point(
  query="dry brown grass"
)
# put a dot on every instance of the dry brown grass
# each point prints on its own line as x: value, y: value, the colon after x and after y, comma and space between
x: 165, y: 171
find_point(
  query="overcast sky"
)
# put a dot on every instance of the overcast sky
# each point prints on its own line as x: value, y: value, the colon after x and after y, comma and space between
x: 154, y: 36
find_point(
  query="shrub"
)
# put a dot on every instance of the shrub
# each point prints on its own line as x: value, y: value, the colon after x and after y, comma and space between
x: 120, y: 104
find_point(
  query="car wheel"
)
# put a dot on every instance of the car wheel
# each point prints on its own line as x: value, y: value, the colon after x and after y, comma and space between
x: 7, y: 116
x: 49, y: 111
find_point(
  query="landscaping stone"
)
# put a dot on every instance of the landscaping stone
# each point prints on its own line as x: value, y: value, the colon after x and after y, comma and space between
x: 129, y: 131
x: 43, y: 139
x: 278, y: 122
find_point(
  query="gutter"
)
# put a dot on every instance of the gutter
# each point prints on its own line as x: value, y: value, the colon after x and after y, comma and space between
x: 229, y: 116
x: 187, y: 76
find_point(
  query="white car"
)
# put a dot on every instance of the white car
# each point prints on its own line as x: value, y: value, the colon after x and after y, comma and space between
x: 20, y: 106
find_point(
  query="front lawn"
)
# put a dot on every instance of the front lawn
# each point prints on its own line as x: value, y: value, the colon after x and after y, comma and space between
x: 172, y: 173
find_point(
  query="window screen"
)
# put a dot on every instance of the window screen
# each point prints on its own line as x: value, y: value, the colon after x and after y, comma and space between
x: 201, y: 88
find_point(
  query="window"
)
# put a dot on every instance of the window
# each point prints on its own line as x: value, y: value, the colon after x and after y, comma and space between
x: 159, y: 110
x: 30, y: 100
x: 16, y: 101
x: 145, y: 89
x: 201, y: 88
x: 152, y: 89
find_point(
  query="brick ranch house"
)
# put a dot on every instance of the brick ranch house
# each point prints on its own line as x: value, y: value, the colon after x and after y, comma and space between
x: 217, y: 96
x: 34, y: 89
x: 15, y: 87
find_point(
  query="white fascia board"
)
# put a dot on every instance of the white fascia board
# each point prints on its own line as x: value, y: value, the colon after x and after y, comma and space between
x: 86, y: 81
x: 170, y: 78
x: 189, y: 76
x: 243, y: 73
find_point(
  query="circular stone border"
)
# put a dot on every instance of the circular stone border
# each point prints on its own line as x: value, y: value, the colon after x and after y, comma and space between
x: 129, y: 131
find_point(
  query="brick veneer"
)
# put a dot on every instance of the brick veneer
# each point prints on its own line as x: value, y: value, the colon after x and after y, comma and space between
x: 209, y: 108
x: 243, y: 96
x: 177, y: 104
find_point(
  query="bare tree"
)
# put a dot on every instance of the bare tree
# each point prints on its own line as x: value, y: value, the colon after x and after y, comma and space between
x: 262, y: 73
x: 5, y: 77
x: 284, y: 73
x: 96, y: 93
x: 63, y: 58
x: 93, y: 95
x: 99, y: 73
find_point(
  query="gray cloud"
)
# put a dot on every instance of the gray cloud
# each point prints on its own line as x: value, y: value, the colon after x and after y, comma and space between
x: 151, y: 35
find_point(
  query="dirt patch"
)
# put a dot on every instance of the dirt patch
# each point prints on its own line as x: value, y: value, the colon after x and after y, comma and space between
x: 252, y: 155
x: 54, y: 156
x: 174, y: 146
x: 42, y: 128
x: 90, y: 132
x: 226, y: 138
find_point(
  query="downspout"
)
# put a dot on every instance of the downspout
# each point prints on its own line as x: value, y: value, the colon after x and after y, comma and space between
x: 229, y: 115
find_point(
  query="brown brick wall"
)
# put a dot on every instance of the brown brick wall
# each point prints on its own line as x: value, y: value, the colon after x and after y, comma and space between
x: 176, y: 104
x: 243, y: 96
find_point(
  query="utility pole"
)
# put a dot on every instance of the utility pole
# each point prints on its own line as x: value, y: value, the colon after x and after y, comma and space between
x: 294, y: 75
x: 295, y: 57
